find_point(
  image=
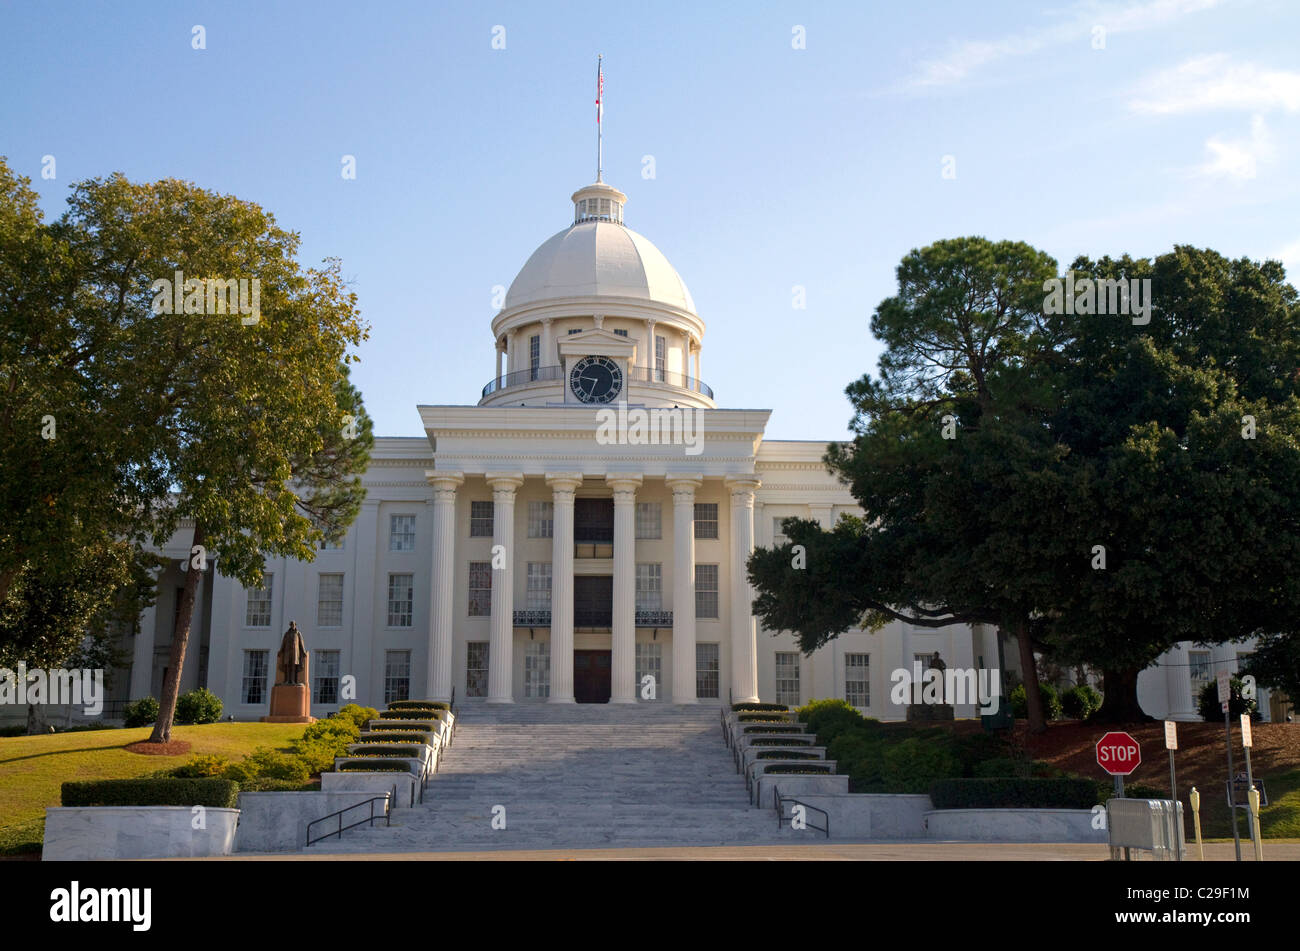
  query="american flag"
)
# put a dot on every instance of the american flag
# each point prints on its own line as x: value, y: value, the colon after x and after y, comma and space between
x: 600, y: 93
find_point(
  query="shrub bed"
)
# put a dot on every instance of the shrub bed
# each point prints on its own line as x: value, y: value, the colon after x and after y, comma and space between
x: 749, y: 707
x: 786, y: 754
x: 792, y: 741
x: 396, y: 736
x: 214, y: 793
x: 1014, y: 793
x: 800, y: 768
x: 409, y: 752
x: 762, y: 717
x: 774, y: 728
x: 374, y: 766
x: 419, y: 705
x: 429, y: 714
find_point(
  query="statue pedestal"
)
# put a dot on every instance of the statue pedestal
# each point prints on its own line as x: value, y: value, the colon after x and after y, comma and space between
x: 290, y: 703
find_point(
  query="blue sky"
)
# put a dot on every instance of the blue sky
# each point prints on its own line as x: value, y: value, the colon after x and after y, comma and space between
x: 774, y: 166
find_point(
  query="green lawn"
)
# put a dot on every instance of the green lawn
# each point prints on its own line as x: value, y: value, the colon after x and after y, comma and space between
x: 33, y: 768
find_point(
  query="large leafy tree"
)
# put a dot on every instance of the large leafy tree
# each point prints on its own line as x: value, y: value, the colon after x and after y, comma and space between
x: 253, y: 436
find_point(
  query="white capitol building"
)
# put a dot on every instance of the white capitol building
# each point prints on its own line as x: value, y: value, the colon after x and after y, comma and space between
x: 518, y: 553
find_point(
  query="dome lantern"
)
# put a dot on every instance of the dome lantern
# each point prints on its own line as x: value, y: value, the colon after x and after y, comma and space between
x: 598, y: 202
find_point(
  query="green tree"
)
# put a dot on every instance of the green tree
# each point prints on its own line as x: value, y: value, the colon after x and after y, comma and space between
x: 254, y: 437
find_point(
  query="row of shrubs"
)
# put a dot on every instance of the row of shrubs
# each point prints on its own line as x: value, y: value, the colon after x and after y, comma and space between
x: 266, y: 768
x: 215, y: 793
x: 1077, y: 703
x: 197, y: 706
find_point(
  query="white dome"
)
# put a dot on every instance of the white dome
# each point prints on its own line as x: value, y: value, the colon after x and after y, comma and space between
x: 599, y: 259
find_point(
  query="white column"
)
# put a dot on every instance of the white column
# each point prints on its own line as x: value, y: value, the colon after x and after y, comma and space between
x: 650, y: 348
x: 744, y: 647
x: 683, y: 488
x: 623, y: 661
x: 443, y: 582
x: 1178, y: 683
x: 142, y: 657
x: 697, y: 367
x: 498, y: 350
x: 502, y: 639
x: 548, y: 357
x: 563, y: 486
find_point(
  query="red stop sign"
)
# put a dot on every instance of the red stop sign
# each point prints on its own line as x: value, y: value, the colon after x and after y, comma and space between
x: 1118, y: 754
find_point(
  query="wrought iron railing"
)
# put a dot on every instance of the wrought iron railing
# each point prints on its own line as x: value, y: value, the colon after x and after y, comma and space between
x: 781, y: 819
x: 532, y: 618
x: 592, y: 618
x: 654, y: 618
x: 387, y: 799
x: 634, y: 375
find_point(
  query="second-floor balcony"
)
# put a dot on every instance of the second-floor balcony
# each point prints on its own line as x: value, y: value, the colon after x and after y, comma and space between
x: 592, y: 617
x: 634, y: 375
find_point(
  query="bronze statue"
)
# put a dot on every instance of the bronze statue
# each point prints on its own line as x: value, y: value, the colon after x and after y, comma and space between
x: 292, y: 660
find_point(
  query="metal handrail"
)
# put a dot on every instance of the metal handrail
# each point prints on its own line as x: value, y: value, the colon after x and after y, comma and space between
x: 454, y: 718
x: 779, y: 802
x: 634, y: 374
x: 387, y: 799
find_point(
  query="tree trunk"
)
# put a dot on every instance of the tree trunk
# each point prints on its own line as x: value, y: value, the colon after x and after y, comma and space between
x: 1029, y: 670
x: 1119, y: 702
x: 162, y: 728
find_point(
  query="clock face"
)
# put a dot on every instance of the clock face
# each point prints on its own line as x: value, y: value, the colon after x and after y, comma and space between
x: 596, y: 380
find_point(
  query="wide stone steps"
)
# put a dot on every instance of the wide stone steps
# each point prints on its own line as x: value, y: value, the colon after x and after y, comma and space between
x: 580, y: 776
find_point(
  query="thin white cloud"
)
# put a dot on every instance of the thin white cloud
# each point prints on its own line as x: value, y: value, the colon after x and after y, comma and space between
x: 966, y: 57
x: 1239, y: 159
x: 1215, y: 82
x: 1289, y: 255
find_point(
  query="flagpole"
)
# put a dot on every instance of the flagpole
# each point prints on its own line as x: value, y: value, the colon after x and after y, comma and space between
x: 600, y: 109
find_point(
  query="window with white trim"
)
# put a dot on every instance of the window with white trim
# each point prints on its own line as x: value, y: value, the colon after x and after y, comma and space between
x: 787, y: 678
x: 476, y: 669
x: 649, y: 520
x: 650, y: 587
x: 661, y: 357
x: 1199, y: 668
x: 541, y: 519
x: 401, y: 533
x: 325, y: 674
x: 539, y: 586
x: 329, y: 600
x: 397, y: 676
x: 857, y: 680
x: 480, y: 589
x: 706, y: 591
x: 707, y: 671
x: 480, y: 519
x: 779, y: 537
x: 258, y: 611
x: 401, y: 598
x: 253, y: 688
x: 649, y: 663
x: 537, y: 669
x: 706, y: 519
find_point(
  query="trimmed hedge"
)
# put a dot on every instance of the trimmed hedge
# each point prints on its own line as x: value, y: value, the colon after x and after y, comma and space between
x: 427, y: 714
x: 786, y: 754
x: 396, y: 736
x: 755, y: 707
x: 1014, y: 793
x: 375, y: 766
x: 214, y: 793
x: 792, y: 741
x: 410, y: 752
x: 198, y: 706
x: 140, y: 712
x: 800, y: 768
x: 419, y: 705
x: 774, y: 728
x: 762, y: 716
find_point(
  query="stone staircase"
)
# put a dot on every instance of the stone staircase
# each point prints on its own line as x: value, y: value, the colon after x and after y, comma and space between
x: 578, y: 776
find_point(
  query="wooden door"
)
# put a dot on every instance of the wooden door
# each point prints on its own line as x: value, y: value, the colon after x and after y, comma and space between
x: 591, y: 676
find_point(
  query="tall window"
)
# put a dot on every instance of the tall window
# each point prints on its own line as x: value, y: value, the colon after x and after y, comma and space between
x: 649, y: 587
x: 649, y: 520
x: 325, y: 673
x: 539, y: 586
x: 857, y: 679
x: 480, y: 589
x: 706, y: 671
x: 1199, y: 662
x: 706, y: 591
x: 401, y: 533
x: 258, y: 613
x: 254, y: 686
x: 778, y: 536
x: 661, y: 356
x: 620, y: 333
x: 480, y: 519
x: 329, y: 601
x: 476, y: 669
x: 706, y: 519
x: 649, y: 662
x: 787, y: 678
x: 537, y: 669
x: 397, y: 676
x: 541, y: 519
x: 400, y: 600
x: 534, y: 354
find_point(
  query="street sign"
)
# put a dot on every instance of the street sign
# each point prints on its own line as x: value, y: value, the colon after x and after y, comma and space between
x: 1171, y: 735
x: 1118, y: 754
x: 1245, y: 730
x: 1225, y: 689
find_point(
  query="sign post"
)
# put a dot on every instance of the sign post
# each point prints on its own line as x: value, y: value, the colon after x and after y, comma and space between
x: 1225, y: 696
x: 1171, y: 744
x: 1252, y: 794
x: 1119, y: 754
